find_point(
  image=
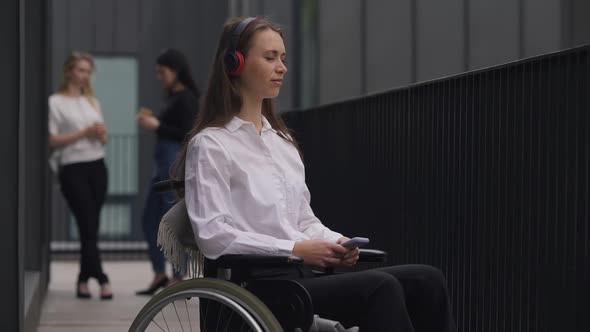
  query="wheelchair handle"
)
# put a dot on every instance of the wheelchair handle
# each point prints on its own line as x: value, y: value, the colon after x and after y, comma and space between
x: 372, y: 255
x: 168, y: 185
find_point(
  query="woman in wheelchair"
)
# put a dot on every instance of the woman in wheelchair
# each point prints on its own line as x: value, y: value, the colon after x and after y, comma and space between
x: 245, y: 193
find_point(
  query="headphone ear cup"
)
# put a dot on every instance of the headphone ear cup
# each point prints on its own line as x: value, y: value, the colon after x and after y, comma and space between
x: 231, y: 62
x: 235, y: 62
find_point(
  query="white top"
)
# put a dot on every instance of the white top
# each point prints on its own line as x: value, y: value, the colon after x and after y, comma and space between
x: 69, y: 114
x: 246, y: 194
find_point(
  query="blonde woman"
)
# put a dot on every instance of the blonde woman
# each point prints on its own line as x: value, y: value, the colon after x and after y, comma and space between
x: 77, y: 133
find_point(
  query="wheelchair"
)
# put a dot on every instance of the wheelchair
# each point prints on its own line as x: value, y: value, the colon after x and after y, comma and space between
x: 211, y: 302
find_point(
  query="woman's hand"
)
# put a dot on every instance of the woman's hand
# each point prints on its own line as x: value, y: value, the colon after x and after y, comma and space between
x: 97, y: 131
x: 320, y: 253
x: 101, y: 132
x: 100, y: 129
x: 148, y: 121
x: 90, y: 132
x: 351, y: 257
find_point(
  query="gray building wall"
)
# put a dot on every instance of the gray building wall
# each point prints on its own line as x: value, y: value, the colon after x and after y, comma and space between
x: 493, y: 32
x: 12, y: 237
x: 341, y: 51
x: 24, y: 198
x: 576, y: 25
x: 137, y: 27
x: 439, y: 38
x: 389, y: 53
x: 541, y: 26
x: 364, y: 46
x: 409, y: 41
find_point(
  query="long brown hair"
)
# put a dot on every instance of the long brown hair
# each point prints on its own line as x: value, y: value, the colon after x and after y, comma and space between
x: 69, y: 65
x: 222, y: 100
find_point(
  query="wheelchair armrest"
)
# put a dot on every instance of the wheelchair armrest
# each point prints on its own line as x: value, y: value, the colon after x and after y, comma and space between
x: 168, y: 185
x: 237, y: 261
x: 372, y: 255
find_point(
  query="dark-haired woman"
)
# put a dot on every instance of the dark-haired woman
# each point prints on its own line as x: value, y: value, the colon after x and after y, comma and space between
x: 171, y: 126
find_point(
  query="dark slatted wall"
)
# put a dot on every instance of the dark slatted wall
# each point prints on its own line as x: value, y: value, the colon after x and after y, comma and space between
x: 483, y: 175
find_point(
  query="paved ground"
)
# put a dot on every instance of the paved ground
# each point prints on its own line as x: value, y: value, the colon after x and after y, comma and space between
x: 63, y: 312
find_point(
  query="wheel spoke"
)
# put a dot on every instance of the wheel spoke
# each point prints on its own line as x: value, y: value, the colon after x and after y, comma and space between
x: 188, y: 315
x: 218, y: 319
x: 228, y: 324
x: 158, y: 325
x: 166, y: 322
x: 179, y: 320
x: 206, y: 315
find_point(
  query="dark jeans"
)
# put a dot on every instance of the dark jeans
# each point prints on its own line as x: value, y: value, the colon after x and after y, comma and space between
x: 404, y: 298
x: 84, y: 186
x: 157, y: 204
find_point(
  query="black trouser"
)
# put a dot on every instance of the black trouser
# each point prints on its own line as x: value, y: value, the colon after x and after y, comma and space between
x: 396, y: 298
x: 84, y: 187
x: 402, y: 298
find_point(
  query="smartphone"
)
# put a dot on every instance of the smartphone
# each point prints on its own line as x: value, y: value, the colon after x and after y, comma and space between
x: 355, y: 242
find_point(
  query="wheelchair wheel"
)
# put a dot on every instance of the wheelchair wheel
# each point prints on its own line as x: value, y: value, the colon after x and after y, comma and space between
x: 206, y: 305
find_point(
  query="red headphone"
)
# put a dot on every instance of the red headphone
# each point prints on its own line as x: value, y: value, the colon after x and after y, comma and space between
x: 234, y: 59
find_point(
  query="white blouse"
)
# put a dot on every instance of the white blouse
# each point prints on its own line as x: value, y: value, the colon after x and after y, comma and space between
x: 246, y: 194
x: 69, y: 114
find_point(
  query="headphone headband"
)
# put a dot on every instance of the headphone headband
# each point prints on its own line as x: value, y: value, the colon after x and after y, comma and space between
x: 235, y: 38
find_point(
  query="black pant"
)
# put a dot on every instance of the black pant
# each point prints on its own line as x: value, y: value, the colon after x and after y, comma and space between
x: 84, y: 186
x: 400, y: 298
x: 403, y: 298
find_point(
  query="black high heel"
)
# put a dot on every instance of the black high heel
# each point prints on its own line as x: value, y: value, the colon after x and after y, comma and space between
x: 150, y: 291
x: 106, y: 296
x: 80, y: 294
